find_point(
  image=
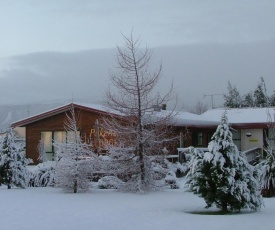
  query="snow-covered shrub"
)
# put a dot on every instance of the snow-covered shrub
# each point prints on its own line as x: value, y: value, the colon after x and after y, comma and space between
x: 109, y: 182
x: 13, y: 163
x: 43, y: 175
x: 267, y: 174
x: 179, y: 168
x: 223, y: 176
x: 74, y: 164
x: 171, y: 180
x: 72, y: 175
x: 123, y: 163
x: 136, y: 184
x: 159, y: 171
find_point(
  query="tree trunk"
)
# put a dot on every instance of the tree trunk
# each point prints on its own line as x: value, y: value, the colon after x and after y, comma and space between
x: 75, y: 186
x: 142, y: 167
x: 224, y: 207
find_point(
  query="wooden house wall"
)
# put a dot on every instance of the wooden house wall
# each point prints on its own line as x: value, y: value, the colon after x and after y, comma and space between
x: 184, y: 137
x: 188, y: 135
x: 86, y: 124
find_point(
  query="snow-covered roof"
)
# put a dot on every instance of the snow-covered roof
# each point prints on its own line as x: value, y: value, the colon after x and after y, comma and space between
x: 244, y: 117
x: 192, y: 120
x: 85, y: 106
x: 240, y: 116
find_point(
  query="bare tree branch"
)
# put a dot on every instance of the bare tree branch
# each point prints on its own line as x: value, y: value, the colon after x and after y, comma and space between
x: 133, y: 95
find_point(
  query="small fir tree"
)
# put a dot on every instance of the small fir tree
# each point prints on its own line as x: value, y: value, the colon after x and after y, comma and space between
x: 13, y: 170
x: 272, y: 100
x: 267, y: 165
x: 248, y: 100
x: 222, y: 176
x: 74, y: 159
x: 233, y: 99
x: 260, y: 97
x: 267, y: 174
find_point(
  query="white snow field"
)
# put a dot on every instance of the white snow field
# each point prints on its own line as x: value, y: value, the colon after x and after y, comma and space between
x: 51, y: 209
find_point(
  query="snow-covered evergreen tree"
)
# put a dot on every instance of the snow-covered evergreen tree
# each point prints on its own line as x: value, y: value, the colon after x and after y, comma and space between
x: 272, y: 100
x: 13, y: 170
x: 248, y: 100
x: 267, y: 174
x: 267, y: 165
x: 260, y: 97
x: 233, y: 99
x: 74, y: 163
x: 223, y: 176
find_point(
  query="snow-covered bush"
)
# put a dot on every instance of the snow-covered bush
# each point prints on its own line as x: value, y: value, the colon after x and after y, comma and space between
x: 13, y: 170
x: 223, y: 176
x: 109, y: 182
x: 267, y: 174
x: 43, y: 174
x: 171, y: 180
x: 74, y: 164
x: 267, y: 165
x: 159, y: 171
x: 179, y: 168
x: 135, y: 183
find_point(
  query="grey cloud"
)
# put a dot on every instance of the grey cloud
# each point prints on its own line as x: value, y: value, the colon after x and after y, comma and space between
x: 196, y: 70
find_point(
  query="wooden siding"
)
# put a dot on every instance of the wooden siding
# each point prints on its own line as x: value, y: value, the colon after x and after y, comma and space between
x: 86, y: 123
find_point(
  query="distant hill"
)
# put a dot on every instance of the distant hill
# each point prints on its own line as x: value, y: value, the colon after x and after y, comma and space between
x: 196, y: 70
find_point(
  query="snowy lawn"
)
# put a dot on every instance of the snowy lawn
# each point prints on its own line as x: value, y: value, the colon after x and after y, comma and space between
x: 50, y: 209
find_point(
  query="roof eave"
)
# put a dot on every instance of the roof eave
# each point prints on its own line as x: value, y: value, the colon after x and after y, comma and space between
x: 62, y: 109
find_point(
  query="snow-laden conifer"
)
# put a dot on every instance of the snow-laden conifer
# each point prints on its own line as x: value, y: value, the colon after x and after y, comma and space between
x: 13, y: 170
x: 260, y: 96
x: 233, y: 99
x: 267, y: 165
x: 74, y: 159
x: 267, y: 174
x: 223, y: 176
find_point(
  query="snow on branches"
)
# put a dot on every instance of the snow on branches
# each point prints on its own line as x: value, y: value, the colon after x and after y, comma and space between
x: 223, y: 176
x: 13, y: 170
x: 74, y: 159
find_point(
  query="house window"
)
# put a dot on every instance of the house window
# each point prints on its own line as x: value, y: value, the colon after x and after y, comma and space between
x: 197, y: 139
x: 200, y: 138
x: 59, y: 136
x: 49, y: 138
x: 236, y: 136
x: 271, y: 137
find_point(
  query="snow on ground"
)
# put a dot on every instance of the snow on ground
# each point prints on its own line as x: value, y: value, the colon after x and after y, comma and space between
x: 50, y: 208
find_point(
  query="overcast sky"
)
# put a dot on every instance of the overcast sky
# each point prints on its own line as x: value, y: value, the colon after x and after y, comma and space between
x: 202, y: 45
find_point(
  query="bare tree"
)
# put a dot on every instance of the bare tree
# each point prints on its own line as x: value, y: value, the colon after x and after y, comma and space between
x: 132, y: 94
x: 199, y: 108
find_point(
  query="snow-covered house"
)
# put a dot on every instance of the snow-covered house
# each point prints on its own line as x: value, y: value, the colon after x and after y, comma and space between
x: 48, y: 127
x: 251, y: 127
